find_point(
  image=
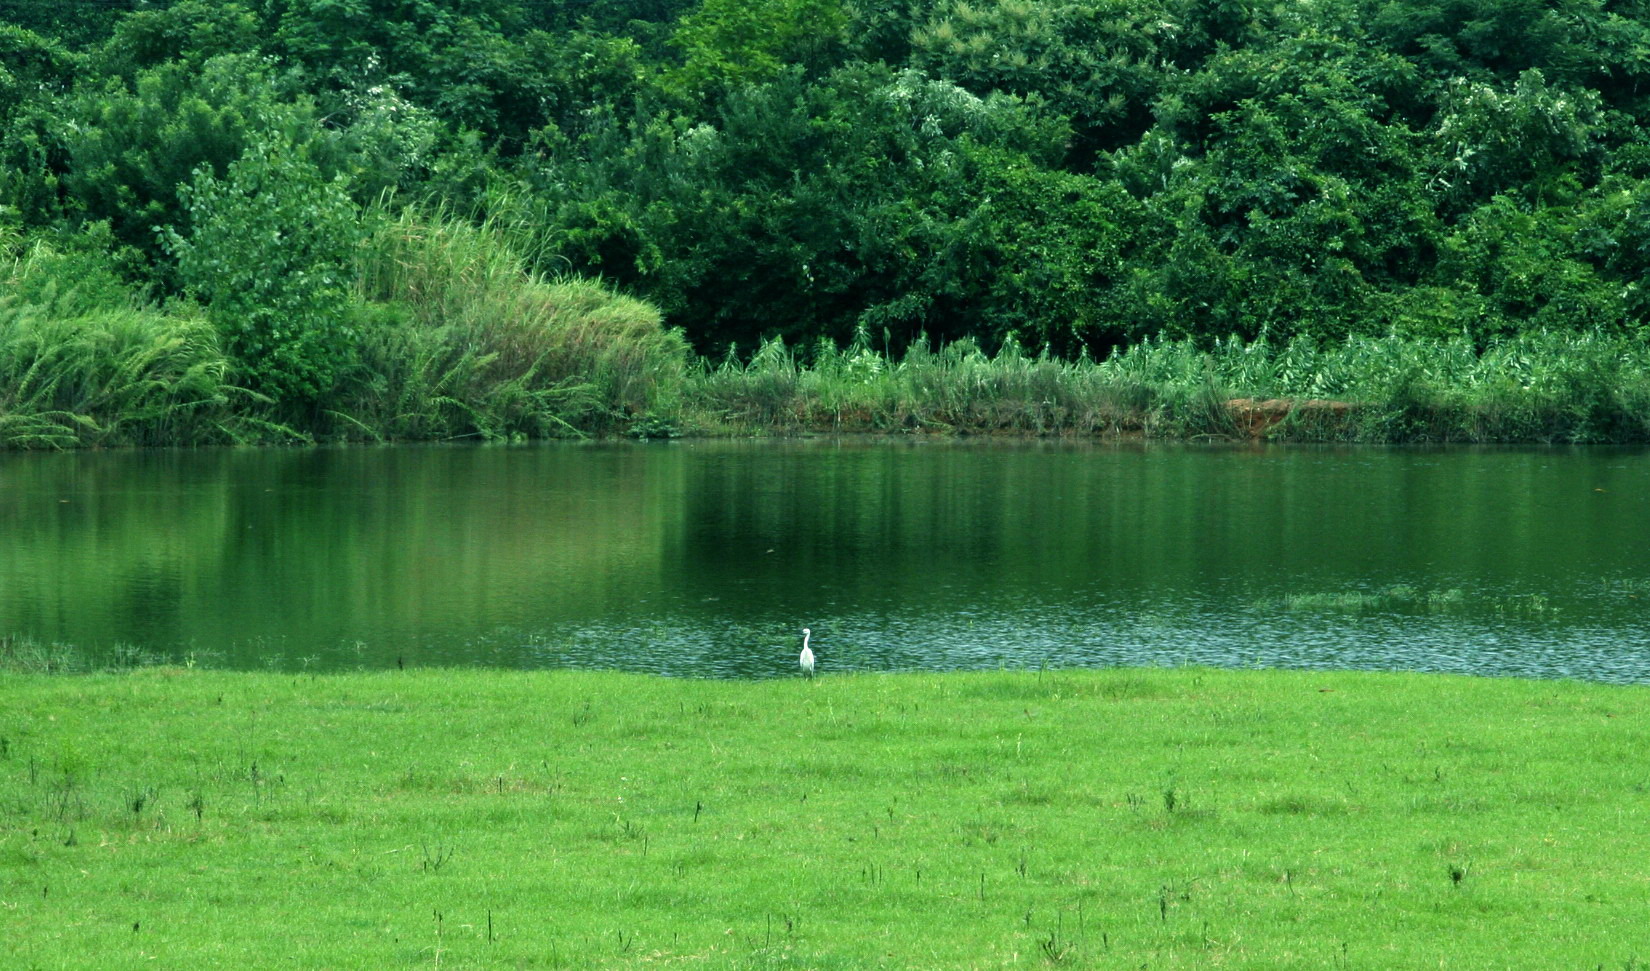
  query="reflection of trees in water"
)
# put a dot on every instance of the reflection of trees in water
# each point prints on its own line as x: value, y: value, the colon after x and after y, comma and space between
x: 710, y: 557
x: 325, y: 547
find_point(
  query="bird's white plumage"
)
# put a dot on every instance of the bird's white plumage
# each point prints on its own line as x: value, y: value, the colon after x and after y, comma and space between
x: 807, y: 658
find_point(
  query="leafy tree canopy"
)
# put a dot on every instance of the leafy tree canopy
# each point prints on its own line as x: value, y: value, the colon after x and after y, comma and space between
x: 1071, y: 173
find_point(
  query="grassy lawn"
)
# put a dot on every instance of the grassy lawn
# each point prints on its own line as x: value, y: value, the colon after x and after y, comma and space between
x: 1106, y: 819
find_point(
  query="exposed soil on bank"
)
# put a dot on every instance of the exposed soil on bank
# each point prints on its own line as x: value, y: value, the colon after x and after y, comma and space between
x: 1255, y: 418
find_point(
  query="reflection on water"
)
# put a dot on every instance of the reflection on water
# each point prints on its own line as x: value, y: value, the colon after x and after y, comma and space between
x: 708, y: 558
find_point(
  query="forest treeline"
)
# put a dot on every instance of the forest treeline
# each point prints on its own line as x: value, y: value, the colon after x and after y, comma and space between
x: 375, y: 217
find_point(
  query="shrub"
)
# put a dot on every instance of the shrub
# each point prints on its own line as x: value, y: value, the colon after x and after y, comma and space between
x: 268, y: 252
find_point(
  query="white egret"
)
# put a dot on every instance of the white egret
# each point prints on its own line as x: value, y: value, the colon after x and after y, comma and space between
x: 807, y: 658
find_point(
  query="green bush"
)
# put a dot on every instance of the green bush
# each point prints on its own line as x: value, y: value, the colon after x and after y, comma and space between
x: 269, y: 250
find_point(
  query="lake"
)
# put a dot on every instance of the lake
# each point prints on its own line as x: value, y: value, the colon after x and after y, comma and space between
x: 708, y: 558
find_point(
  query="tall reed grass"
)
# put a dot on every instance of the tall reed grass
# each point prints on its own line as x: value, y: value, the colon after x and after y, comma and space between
x: 455, y: 340
x: 84, y: 363
x: 459, y: 340
x: 957, y: 387
x: 1538, y: 387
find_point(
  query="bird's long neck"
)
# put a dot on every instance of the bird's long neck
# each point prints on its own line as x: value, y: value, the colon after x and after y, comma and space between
x: 805, y: 635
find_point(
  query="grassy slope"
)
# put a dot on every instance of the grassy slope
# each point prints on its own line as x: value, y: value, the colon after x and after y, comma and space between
x: 1126, y: 818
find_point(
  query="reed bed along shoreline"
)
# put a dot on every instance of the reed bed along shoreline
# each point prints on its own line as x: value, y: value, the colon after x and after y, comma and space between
x: 456, y: 340
x: 1548, y: 388
x: 424, y: 379
x: 1176, y: 818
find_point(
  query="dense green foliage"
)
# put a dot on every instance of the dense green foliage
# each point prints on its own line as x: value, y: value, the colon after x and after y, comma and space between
x: 85, y: 365
x: 266, y: 252
x: 1536, y: 387
x: 1088, y: 819
x: 418, y: 327
x: 1076, y: 175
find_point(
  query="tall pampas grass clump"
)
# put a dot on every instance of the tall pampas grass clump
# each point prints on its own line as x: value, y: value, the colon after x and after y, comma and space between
x: 461, y: 340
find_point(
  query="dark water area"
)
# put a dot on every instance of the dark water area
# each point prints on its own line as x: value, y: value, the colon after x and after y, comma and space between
x: 707, y: 558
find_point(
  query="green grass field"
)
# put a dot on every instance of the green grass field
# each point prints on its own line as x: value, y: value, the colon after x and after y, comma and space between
x: 1155, y: 818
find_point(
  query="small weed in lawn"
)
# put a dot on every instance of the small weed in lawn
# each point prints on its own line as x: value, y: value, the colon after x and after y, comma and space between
x: 435, y: 859
x: 1056, y: 947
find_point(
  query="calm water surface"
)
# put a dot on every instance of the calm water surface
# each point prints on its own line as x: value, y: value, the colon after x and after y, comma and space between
x: 708, y: 558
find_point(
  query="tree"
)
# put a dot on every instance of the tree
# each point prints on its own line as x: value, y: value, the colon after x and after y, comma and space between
x: 1295, y: 189
x: 29, y: 64
x: 1534, y: 139
x: 1094, y: 63
x: 192, y: 31
x: 33, y: 73
x: 726, y: 44
x: 267, y: 249
x: 1526, y: 265
x: 124, y: 151
x: 868, y: 199
x: 74, y: 25
x: 458, y: 58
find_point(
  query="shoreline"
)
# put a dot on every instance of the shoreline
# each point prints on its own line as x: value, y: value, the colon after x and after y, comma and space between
x: 1012, y: 397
